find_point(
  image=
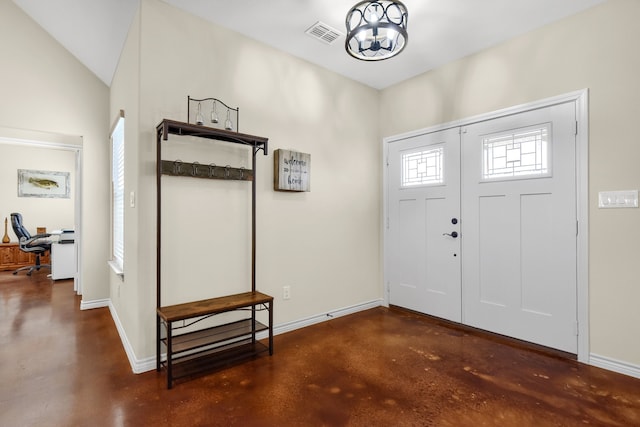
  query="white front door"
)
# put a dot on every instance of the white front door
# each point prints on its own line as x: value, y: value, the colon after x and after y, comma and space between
x: 512, y: 267
x: 423, y: 226
x: 519, y: 226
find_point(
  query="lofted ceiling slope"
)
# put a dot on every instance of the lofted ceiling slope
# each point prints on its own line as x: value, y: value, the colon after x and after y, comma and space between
x: 440, y: 31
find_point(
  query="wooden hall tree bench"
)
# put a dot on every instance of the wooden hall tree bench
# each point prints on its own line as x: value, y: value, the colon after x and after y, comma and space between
x: 193, y: 352
x: 187, y: 332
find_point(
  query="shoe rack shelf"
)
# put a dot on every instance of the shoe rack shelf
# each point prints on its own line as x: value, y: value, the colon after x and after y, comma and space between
x: 192, y: 349
x: 191, y: 353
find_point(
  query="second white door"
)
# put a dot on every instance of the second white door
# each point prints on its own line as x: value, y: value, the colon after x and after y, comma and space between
x: 520, y: 226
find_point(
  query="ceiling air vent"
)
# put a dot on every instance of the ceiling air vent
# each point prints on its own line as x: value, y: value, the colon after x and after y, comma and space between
x: 323, y: 32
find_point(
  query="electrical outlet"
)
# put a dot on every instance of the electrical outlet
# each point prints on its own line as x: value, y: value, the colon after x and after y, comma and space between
x: 286, y: 292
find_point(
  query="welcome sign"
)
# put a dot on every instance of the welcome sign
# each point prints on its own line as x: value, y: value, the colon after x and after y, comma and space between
x: 291, y: 171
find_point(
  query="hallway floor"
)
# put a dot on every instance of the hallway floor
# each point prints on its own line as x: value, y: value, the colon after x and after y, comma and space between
x: 60, y: 366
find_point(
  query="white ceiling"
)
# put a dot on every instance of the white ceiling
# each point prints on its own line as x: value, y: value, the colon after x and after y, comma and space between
x: 440, y: 31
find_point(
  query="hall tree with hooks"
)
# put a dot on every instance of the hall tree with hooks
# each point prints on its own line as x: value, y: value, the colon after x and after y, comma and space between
x: 192, y: 349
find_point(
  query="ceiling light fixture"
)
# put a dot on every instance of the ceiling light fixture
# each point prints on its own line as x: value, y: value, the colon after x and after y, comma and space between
x: 376, y: 30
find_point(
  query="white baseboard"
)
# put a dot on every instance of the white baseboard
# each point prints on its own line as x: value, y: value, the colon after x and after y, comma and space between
x: 614, y: 365
x: 144, y: 365
x: 322, y: 317
x: 150, y: 363
x: 97, y: 303
x: 138, y: 366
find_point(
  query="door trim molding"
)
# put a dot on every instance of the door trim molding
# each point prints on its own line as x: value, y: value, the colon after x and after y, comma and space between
x: 581, y: 100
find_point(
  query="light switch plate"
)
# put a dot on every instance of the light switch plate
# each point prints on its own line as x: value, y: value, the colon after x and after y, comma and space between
x: 618, y: 199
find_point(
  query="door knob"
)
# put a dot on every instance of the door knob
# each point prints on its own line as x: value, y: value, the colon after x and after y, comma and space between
x: 453, y: 234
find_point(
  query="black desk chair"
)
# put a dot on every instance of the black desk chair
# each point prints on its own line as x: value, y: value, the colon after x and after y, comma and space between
x: 38, y: 244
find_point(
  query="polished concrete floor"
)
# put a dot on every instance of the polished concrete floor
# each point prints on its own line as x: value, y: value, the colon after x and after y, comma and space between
x: 60, y: 366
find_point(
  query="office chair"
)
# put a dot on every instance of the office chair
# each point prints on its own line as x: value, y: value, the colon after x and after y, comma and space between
x: 38, y: 244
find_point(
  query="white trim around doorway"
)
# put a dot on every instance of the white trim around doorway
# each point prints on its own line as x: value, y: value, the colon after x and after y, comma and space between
x: 60, y: 142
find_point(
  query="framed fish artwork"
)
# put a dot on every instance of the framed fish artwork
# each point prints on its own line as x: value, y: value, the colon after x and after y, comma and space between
x: 33, y: 183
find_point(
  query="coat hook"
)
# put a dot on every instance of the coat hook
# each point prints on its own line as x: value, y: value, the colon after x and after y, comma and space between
x: 212, y: 169
x: 177, y: 167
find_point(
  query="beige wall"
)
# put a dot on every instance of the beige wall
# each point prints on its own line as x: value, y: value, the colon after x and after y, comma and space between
x: 598, y: 50
x: 125, y: 294
x: 324, y: 244
x: 52, y: 213
x: 44, y: 88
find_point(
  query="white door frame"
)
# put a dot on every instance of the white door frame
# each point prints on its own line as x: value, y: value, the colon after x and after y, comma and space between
x: 581, y: 99
x: 60, y: 142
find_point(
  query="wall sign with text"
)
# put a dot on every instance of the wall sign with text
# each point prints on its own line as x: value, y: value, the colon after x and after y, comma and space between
x: 291, y: 171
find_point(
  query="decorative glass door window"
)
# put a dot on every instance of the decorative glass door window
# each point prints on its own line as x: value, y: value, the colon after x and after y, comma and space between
x: 516, y: 154
x: 423, y: 167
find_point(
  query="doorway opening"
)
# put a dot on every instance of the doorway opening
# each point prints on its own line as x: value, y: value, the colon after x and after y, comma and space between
x: 16, y: 143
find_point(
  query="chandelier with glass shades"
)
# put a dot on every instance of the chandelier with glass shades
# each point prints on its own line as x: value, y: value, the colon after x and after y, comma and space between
x: 376, y: 30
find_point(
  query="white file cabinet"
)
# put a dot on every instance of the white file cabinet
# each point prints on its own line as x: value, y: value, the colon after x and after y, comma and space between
x: 63, y: 261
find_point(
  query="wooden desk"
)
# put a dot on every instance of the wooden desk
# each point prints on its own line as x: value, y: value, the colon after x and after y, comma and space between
x: 11, y: 257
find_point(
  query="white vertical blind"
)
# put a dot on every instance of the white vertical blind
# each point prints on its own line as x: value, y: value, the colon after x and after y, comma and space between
x: 117, y: 196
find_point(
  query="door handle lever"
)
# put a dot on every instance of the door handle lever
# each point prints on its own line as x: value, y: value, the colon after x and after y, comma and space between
x: 453, y: 234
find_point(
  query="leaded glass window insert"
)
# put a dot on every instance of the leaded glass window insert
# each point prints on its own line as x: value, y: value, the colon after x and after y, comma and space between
x: 516, y: 154
x: 423, y: 167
